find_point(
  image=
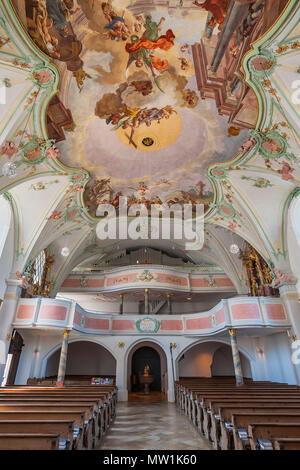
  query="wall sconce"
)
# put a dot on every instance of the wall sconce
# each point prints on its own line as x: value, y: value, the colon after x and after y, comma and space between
x: 260, y: 352
x: 291, y: 335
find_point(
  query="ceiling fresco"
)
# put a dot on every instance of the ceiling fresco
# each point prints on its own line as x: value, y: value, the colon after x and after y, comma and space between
x: 140, y: 126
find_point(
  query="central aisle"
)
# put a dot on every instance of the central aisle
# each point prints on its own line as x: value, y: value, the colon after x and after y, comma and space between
x: 152, y: 425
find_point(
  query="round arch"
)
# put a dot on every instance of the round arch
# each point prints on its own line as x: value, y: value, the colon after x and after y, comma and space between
x: 92, y: 347
x: 204, y: 361
x: 163, y: 361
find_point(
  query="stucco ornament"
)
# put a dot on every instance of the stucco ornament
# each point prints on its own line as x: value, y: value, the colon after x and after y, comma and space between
x: 146, y: 276
x: 147, y: 325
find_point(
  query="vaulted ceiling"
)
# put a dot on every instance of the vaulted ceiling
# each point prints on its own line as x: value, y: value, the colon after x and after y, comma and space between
x: 251, y: 186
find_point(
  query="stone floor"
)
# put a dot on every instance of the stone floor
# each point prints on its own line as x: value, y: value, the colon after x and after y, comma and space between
x: 153, y: 424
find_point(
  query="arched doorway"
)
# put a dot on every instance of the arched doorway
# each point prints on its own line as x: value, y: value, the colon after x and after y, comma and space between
x: 146, y: 356
x: 142, y: 354
x: 84, y: 358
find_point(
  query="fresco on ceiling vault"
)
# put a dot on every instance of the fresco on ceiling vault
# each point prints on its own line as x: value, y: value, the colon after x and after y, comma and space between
x: 142, y: 128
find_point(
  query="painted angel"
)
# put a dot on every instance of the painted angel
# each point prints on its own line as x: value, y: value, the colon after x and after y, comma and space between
x: 116, y: 28
x: 140, y: 50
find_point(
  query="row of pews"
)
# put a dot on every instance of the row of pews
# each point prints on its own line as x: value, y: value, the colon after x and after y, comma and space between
x: 256, y: 416
x: 49, y: 418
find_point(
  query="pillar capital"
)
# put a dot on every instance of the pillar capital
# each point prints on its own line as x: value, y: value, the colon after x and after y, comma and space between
x: 13, y: 282
x: 288, y: 288
x: 290, y: 300
x: 66, y: 333
x: 232, y: 332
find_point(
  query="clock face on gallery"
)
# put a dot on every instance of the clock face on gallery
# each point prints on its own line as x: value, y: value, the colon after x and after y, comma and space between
x: 149, y: 226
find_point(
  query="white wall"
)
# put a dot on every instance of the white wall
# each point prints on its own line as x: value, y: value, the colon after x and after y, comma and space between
x: 7, y: 251
x: 6, y: 243
x: 273, y: 359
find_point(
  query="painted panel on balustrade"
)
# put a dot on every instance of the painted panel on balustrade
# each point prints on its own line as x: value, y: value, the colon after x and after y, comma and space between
x: 245, y: 311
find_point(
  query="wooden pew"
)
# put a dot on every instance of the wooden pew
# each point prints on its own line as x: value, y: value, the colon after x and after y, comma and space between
x: 197, y: 395
x: 17, y: 441
x: 221, y: 418
x: 199, y: 400
x: 198, y: 416
x: 77, y: 418
x: 271, y: 431
x: 207, y: 404
x: 286, y: 443
x: 88, y: 440
x: 65, y: 429
x: 96, y: 402
x: 102, y: 417
x: 107, y: 408
x: 109, y: 392
x: 241, y: 421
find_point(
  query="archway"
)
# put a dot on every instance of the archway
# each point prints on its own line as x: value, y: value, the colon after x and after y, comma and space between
x: 145, y: 356
x: 222, y: 363
x: 147, y: 353
x: 84, y: 359
x: 210, y: 359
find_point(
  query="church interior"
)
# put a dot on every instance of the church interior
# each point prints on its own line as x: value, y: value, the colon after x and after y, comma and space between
x: 126, y: 113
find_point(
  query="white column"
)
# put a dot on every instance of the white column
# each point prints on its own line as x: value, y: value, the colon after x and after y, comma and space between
x: 290, y: 298
x: 121, y: 373
x: 171, y: 372
x: 236, y: 358
x: 7, y: 315
x: 63, y: 359
x: 146, y: 301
